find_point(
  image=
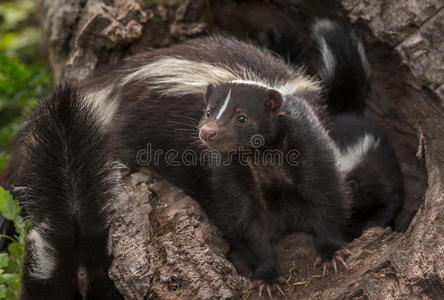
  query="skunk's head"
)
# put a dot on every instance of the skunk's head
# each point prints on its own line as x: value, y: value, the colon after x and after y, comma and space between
x: 239, y: 115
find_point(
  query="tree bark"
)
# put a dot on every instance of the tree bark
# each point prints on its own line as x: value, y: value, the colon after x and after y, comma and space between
x: 164, y: 245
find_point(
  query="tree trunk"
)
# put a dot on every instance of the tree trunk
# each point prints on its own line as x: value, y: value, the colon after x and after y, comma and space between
x: 164, y: 245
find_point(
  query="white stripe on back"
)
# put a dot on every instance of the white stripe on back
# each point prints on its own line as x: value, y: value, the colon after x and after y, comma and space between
x: 43, y: 255
x: 353, y: 155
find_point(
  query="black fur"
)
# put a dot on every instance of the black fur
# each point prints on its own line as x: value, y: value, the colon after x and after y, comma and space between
x: 313, y: 202
x: 62, y: 160
x: 65, y: 182
x: 146, y: 117
x: 376, y: 182
x: 258, y: 198
x: 346, y: 78
x: 157, y: 125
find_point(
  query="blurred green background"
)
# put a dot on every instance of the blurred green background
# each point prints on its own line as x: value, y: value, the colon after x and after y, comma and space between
x: 23, y: 80
x: 23, y: 75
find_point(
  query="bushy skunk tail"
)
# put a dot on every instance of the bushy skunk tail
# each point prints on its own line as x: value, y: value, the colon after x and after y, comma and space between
x: 364, y: 155
x: 345, y: 70
x: 63, y: 177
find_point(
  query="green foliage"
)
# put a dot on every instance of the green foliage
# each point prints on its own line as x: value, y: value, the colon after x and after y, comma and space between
x: 18, y: 37
x: 20, y: 87
x: 23, y: 79
x: 11, y: 263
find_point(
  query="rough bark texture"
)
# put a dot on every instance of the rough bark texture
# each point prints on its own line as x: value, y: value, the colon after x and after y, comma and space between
x: 166, y: 248
x: 164, y: 245
x: 415, y: 30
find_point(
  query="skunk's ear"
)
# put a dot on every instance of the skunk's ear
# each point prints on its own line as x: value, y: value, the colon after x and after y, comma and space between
x: 273, y: 104
x: 208, y: 93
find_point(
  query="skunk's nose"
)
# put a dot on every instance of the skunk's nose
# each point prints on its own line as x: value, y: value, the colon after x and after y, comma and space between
x: 207, y: 134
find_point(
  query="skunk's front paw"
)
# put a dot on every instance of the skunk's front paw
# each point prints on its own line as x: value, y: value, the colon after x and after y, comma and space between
x: 267, y: 278
x: 271, y: 288
x: 330, y: 262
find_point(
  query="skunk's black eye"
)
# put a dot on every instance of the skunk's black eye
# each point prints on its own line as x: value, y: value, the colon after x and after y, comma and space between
x: 242, y: 119
x: 208, y: 113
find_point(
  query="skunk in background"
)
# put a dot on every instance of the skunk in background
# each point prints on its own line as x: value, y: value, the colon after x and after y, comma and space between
x: 61, y: 173
x: 365, y: 156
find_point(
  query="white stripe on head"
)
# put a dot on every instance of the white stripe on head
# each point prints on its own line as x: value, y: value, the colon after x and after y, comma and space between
x: 43, y: 255
x: 224, y: 106
x: 353, y: 155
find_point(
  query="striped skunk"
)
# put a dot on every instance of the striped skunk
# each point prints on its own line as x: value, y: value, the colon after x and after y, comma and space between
x: 263, y: 194
x: 153, y: 104
x: 364, y: 154
x: 218, y: 118
x: 61, y: 174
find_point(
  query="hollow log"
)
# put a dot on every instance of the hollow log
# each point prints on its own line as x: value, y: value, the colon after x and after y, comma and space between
x: 164, y: 245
